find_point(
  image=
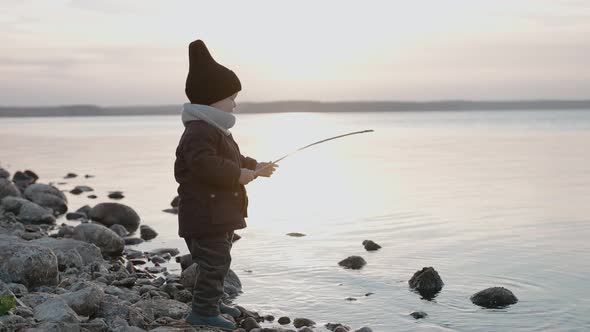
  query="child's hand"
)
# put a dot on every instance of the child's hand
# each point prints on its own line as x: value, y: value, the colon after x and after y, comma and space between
x: 246, y: 176
x: 265, y: 169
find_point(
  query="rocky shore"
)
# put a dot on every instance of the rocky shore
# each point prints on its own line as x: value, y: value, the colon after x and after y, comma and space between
x: 59, y: 277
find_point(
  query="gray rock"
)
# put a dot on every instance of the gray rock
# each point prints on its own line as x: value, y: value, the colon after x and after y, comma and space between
x: 426, y: 282
x: 305, y: 329
x: 120, y: 230
x: 494, y: 297
x: 97, y: 325
x: 418, y: 314
x: 9, y: 322
x: 163, y: 308
x: 284, y: 320
x: 34, y: 299
x: 353, y: 262
x: 9, y: 225
x: 132, y: 241
x: 19, y: 290
x: 75, y: 216
x: 4, y: 174
x: 7, y: 188
x: 249, y: 324
x: 147, y: 233
x: 25, y: 263
x: 184, y: 296
x: 55, y: 310
x: 84, y: 209
x: 23, y: 312
x: 70, y: 175
x: 65, y: 250
x: 47, y: 196
x: 23, y: 180
x: 364, y: 329
x: 370, y: 245
x: 295, y: 234
x: 116, y: 195
x: 301, y: 322
x: 66, y: 231
x: 337, y: 327
x: 110, y: 214
x: 108, y: 241
x: 86, y: 301
x: 27, y: 211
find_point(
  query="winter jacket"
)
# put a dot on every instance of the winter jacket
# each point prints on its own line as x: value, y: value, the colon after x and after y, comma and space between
x: 207, y: 168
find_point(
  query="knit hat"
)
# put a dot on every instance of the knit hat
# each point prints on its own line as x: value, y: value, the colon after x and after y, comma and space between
x: 207, y: 81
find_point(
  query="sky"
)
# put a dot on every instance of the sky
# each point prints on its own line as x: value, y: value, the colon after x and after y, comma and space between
x: 135, y: 52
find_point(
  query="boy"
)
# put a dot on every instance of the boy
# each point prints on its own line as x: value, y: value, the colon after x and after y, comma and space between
x: 212, y: 174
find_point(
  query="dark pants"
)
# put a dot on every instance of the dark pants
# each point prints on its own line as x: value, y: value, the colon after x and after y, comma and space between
x: 212, y: 255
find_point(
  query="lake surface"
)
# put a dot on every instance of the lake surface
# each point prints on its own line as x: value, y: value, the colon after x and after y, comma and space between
x: 486, y: 198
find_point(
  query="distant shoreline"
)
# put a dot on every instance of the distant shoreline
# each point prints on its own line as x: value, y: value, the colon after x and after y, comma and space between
x: 304, y: 106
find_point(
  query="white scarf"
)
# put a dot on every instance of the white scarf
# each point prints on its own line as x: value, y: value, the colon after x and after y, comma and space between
x: 213, y: 116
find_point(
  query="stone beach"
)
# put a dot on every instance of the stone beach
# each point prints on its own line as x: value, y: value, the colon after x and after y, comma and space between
x: 58, y: 277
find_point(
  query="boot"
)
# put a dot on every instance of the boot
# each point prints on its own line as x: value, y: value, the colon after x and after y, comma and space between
x: 232, y: 311
x: 212, y: 321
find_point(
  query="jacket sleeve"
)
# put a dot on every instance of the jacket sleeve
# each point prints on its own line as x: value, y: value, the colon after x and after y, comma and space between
x: 206, y: 165
x: 249, y: 163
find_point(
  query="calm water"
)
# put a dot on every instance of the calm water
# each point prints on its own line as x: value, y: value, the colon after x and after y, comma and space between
x: 487, y: 198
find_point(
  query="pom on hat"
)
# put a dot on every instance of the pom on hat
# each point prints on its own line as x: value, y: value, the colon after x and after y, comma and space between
x: 208, y: 81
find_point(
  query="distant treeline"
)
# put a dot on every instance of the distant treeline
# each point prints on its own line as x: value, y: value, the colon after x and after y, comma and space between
x: 307, y: 106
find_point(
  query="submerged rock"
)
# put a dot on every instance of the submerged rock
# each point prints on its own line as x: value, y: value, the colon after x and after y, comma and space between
x: 418, y: 314
x: 295, y: 234
x: 370, y: 245
x: 353, y: 262
x: 426, y: 282
x: 494, y: 297
x: 110, y: 214
x: 116, y: 195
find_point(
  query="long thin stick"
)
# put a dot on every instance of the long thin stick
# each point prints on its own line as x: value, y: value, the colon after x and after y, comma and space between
x: 312, y: 144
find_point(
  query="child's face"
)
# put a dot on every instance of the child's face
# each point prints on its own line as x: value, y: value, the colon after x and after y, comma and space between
x: 227, y: 105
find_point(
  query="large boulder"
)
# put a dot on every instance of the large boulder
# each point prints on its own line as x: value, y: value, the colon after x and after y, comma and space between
x: 47, y: 196
x: 7, y: 188
x: 427, y: 282
x: 72, y: 253
x: 108, y: 241
x: 494, y: 297
x: 26, y: 211
x: 110, y: 214
x: 26, y: 263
